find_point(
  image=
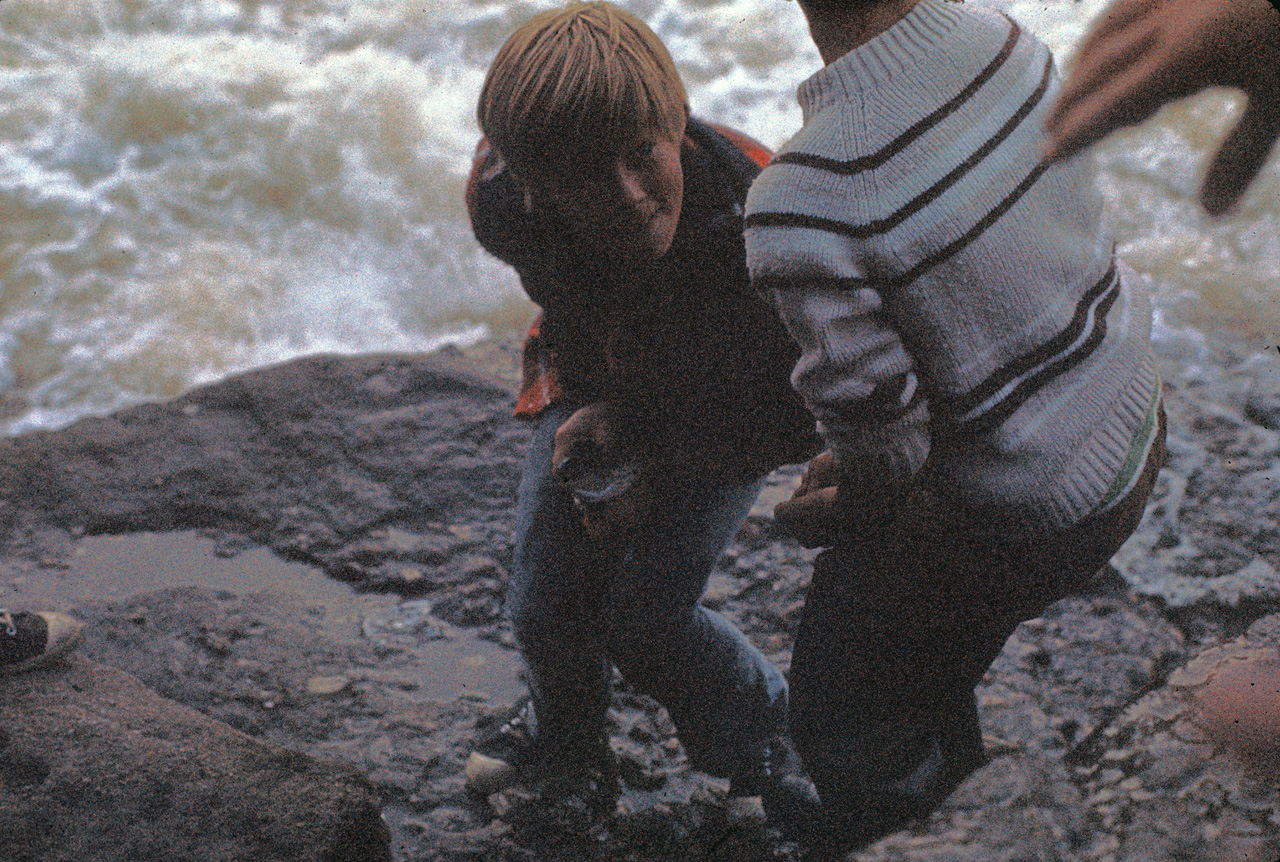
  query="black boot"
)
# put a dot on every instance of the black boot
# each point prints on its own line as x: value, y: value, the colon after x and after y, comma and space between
x: 790, y: 800
x: 950, y: 756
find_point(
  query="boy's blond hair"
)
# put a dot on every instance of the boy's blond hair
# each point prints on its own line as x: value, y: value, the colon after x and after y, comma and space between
x: 580, y: 79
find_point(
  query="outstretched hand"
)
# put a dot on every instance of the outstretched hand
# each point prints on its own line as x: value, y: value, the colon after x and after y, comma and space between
x: 1146, y: 53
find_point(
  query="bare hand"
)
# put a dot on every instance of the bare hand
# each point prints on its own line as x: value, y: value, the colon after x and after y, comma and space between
x: 820, y: 473
x: 596, y: 426
x: 1146, y: 53
x: 814, y: 515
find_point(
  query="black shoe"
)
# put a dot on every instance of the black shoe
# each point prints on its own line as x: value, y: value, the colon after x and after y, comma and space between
x: 787, y: 797
x: 504, y: 753
x: 552, y: 769
x: 32, y: 640
x: 833, y: 839
x: 584, y: 772
x: 896, y: 806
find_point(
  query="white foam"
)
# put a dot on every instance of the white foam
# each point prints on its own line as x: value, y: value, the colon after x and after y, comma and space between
x: 197, y: 187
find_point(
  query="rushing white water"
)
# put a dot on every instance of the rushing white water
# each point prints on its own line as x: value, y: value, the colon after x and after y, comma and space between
x: 189, y: 188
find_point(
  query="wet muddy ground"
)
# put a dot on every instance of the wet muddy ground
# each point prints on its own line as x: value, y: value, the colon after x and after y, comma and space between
x: 316, y: 555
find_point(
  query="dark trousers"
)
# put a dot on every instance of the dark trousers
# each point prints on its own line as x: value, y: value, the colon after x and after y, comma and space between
x: 899, y: 628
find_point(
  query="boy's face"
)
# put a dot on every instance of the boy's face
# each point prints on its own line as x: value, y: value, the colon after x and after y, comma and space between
x: 624, y: 203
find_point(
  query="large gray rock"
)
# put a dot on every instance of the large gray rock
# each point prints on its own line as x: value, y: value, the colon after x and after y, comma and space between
x: 316, y: 458
x: 1162, y: 787
x: 95, y: 767
x: 1207, y: 546
x: 396, y: 473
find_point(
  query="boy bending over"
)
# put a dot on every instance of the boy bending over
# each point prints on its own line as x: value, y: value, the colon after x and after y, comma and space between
x: 980, y: 367
x: 658, y: 385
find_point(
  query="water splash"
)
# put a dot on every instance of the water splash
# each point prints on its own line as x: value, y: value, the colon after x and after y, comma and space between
x: 196, y: 187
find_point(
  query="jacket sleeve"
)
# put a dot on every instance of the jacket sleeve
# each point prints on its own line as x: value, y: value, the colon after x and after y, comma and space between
x: 506, y: 230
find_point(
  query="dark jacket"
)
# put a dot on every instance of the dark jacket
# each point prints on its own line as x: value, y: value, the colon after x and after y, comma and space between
x: 700, y: 363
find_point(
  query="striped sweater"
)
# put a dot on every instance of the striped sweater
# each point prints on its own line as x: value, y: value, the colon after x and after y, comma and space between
x: 957, y: 302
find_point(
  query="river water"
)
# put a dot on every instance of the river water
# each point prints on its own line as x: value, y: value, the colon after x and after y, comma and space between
x: 191, y: 188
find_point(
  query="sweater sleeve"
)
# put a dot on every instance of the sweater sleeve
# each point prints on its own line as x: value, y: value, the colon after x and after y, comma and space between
x: 859, y: 380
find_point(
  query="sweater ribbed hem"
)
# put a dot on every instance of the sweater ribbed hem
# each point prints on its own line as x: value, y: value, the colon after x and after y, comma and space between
x: 1139, y: 453
x: 1092, y: 476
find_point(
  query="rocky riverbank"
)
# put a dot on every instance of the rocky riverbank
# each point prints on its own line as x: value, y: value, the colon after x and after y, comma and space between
x: 345, y: 527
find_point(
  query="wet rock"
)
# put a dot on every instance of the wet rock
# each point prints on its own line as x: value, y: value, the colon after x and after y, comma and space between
x: 305, y: 456
x: 1205, y: 546
x: 1016, y: 807
x: 1166, y: 780
x: 397, y: 475
x: 93, y: 765
x: 1071, y: 670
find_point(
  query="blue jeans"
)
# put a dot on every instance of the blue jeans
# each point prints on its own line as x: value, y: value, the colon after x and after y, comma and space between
x: 577, y: 615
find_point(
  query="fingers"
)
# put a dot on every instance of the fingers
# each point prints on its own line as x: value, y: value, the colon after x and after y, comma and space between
x: 820, y: 473
x: 1119, y: 89
x: 1120, y: 16
x: 582, y: 424
x: 814, y: 519
x: 590, y: 424
x: 1240, y: 157
x: 1100, y: 62
x: 1126, y: 32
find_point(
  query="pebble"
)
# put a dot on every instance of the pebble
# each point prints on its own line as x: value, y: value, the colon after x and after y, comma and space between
x: 324, y: 685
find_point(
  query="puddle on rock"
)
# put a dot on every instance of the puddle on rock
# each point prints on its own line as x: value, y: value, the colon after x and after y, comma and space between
x: 454, y: 660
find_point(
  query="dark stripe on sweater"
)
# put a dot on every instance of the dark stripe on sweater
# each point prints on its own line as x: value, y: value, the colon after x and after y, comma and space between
x: 1096, y: 303
x: 898, y: 144
x: 1024, y: 390
x: 795, y: 220
x: 929, y: 195
x: 974, y: 232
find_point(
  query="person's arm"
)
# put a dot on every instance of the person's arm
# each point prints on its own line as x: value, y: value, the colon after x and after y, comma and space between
x: 1145, y: 53
x: 860, y: 381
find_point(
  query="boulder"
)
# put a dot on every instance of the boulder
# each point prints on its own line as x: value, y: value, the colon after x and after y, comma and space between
x: 96, y: 766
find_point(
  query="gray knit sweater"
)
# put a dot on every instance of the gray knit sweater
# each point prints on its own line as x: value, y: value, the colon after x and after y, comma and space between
x: 956, y: 301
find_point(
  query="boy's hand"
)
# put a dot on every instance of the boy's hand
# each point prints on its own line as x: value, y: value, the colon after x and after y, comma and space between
x: 595, y: 428
x: 814, y: 515
x: 820, y: 473
x: 593, y: 425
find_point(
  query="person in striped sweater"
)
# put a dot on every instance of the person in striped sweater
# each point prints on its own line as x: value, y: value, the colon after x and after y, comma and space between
x: 980, y: 366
